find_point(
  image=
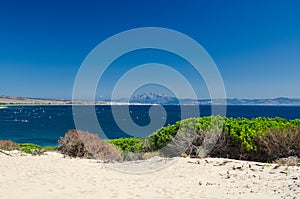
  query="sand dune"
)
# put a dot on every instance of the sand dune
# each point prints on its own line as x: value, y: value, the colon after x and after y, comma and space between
x: 52, y: 176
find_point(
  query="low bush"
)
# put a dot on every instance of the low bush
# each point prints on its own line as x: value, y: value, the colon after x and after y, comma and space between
x: 29, y: 148
x: 84, y: 144
x: 8, y: 145
x: 161, y: 137
x: 26, y: 147
x: 128, y: 144
x: 280, y: 143
x: 133, y: 148
x: 259, y: 139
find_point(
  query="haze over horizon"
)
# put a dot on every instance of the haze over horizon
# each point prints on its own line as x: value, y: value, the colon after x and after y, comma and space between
x: 141, y: 94
x: 255, y: 45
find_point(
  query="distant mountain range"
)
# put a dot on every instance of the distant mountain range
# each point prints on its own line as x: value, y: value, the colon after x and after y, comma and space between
x: 151, y: 98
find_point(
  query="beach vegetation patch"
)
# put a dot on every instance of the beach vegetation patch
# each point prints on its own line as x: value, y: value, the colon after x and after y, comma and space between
x: 29, y: 148
x: 131, y: 144
x: 8, y: 145
x: 83, y: 144
x: 259, y: 139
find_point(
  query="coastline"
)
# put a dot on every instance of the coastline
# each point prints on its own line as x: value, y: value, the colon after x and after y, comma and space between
x: 141, y: 104
x: 25, y: 101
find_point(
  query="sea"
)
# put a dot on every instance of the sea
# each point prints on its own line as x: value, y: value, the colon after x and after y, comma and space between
x: 44, y: 125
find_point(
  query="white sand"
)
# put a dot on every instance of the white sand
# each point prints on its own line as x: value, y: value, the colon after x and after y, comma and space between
x: 51, y: 176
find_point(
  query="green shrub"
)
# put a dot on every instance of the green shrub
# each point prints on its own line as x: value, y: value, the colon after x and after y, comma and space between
x: 260, y: 139
x: 186, y: 127
x: 161, y: 137
x: 29, y: 148
x: 247, y: 131
x: 128, y: 144
x: 253, y: 139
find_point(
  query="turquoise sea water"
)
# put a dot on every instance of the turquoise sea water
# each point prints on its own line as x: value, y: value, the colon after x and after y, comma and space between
x: 44, y: 125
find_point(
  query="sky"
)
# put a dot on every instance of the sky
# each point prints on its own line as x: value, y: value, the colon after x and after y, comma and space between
x: 255, y: 44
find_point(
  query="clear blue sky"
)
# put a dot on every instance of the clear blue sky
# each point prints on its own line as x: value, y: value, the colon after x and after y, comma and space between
x: 255, y: 44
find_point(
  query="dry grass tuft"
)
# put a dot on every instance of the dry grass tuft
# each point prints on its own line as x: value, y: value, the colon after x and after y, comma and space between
x: 290, y: 161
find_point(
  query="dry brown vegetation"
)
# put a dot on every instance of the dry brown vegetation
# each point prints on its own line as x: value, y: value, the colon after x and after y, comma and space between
x: 8, y: 145
x: 275, y: 145
x: 77, y: 143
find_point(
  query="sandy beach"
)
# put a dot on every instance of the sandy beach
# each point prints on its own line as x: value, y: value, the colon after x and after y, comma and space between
x: 52, y: 176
